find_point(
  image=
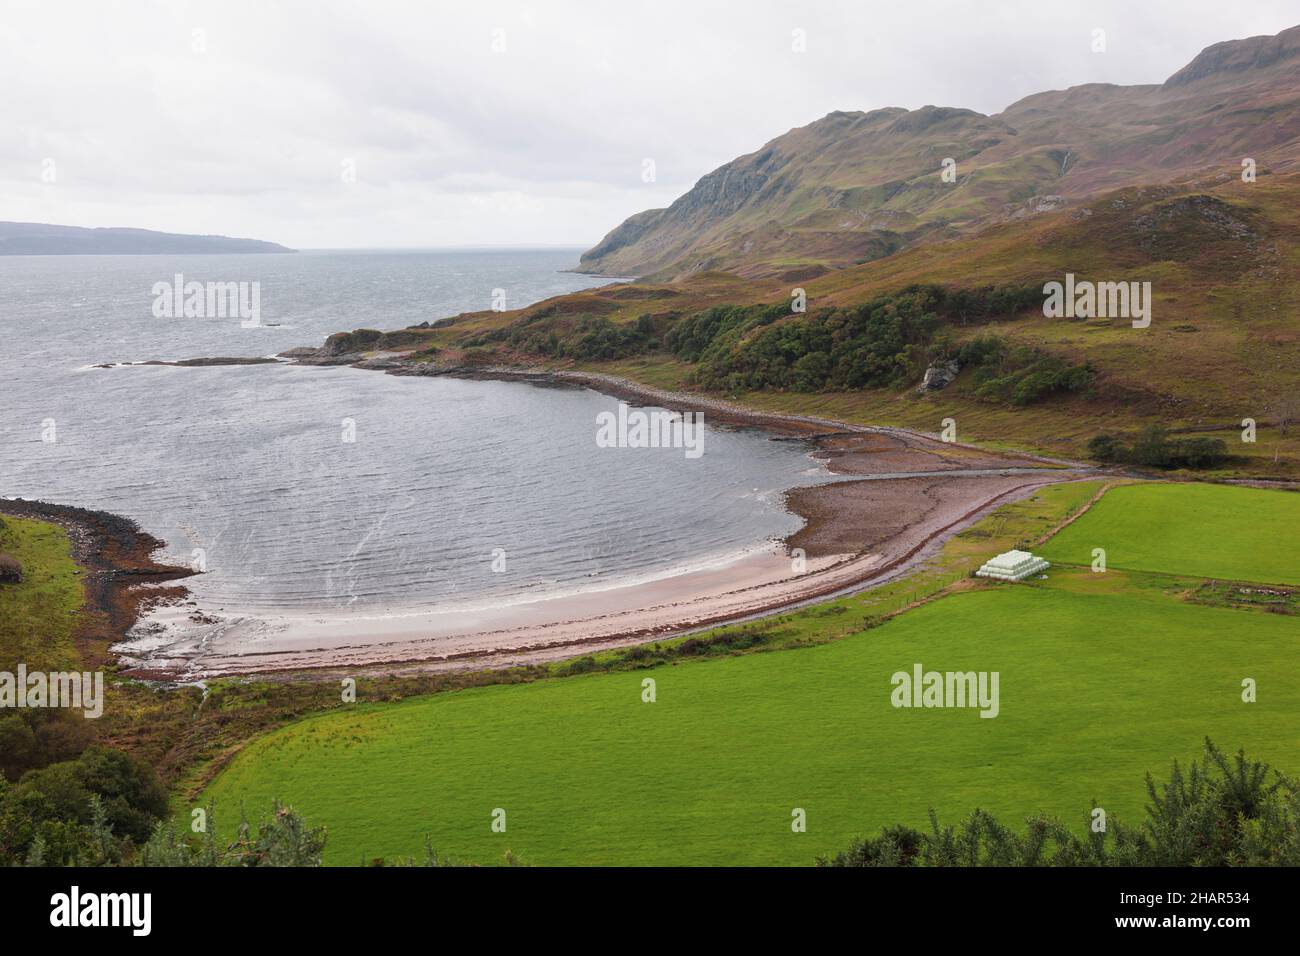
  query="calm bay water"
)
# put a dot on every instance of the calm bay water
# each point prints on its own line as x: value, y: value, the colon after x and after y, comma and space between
x: 244, y: 468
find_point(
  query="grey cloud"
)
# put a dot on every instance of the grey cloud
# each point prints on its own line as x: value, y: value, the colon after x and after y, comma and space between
x: 543, y: 143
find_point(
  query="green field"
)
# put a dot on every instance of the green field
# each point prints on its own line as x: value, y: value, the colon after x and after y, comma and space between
x: 37, y: 616
x: 1102, y: 678
x: 1212, y: 531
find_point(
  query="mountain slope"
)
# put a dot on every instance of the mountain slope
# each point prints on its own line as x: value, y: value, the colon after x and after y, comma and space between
x: 853, y: 187
x: 40, y: 239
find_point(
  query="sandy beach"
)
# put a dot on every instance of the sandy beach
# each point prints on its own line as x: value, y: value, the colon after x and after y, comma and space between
x: 902, y: 495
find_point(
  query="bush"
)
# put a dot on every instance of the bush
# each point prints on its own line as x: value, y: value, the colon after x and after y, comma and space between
x: 11, y: 570
x: 132, y: 796
x: 1106, y: 447
x: 1153, y: 448
x: 85, y: 811
x: 1222, y: 812
x: 1201, y: 452
x: 1021, y: 375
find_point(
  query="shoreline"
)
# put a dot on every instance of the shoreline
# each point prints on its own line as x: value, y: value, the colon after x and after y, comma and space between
x: 539, y: 644
x: 929, y: 490
x: 900, y: 495
x: 120, y: 578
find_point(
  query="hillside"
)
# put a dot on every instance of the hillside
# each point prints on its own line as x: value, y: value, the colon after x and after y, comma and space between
x: 40, y: 239
x: 857, y: 186
x: 1222, y: 344
x: 965, y: 298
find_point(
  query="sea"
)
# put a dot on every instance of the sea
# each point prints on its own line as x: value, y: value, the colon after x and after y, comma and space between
x: 312, y: 490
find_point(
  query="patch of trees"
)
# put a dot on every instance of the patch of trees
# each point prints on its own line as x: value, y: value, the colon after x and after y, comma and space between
x: 1221, y: 812
x: 881, y: 343
x: 585, y: 338
x: 1153, y: 448
x: 884, y: 342
x: 876, y: 344
x: 1021, y: 374
x: 89, y: 811
x: 105, y: 808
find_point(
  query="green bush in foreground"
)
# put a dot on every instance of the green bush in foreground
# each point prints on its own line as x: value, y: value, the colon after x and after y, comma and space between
x: 87, y: 811
x: 1221, y: 812
x: 283, y: 840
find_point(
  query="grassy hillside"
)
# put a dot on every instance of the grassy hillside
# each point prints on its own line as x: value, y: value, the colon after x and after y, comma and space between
x: 1222, y: 346
x: 1102, y: 678
x: 38, y: 615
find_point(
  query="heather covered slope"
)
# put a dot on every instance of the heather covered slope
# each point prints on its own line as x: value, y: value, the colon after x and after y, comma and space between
x: 1148, y: 188
x: 1221, y: 256
x: 857, y: 186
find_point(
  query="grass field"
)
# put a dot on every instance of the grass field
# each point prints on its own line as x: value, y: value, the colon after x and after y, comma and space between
x: 37, y: 617
x: 1212, y: 531
x: 1102, y: 678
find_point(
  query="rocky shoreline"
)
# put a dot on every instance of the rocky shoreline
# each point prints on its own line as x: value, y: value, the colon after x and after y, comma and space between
x: 120, y: 577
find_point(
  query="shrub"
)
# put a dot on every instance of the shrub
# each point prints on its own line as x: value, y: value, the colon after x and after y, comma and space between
x: 1221, y: 812
x: 1106, y: 447
x: 11, y: 570
x: 1021, y: 375
x: 1153, y: 448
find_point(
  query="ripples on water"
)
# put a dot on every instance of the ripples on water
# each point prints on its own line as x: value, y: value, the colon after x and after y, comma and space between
x: 245, y: 466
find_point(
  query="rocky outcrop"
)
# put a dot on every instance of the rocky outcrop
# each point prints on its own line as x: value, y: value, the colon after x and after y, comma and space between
x: 939, y: 375
x: 215, y: 360
x: 360, y: 340
x: 11, y: 571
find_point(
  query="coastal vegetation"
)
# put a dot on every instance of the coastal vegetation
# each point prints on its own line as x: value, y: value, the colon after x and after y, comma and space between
x: 1153, y: 448
x: 741, y: 697
x: 1219, y: 348
x: 883, y: 343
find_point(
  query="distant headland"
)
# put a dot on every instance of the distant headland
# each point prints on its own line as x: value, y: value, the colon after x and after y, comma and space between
x: 40, y: 239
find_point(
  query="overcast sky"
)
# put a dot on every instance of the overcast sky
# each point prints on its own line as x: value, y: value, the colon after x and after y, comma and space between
x: 246, y: 118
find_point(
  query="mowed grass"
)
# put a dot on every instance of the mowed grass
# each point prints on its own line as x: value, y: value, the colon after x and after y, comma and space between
x: 1211, y: 531
x: 1102, y: 679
